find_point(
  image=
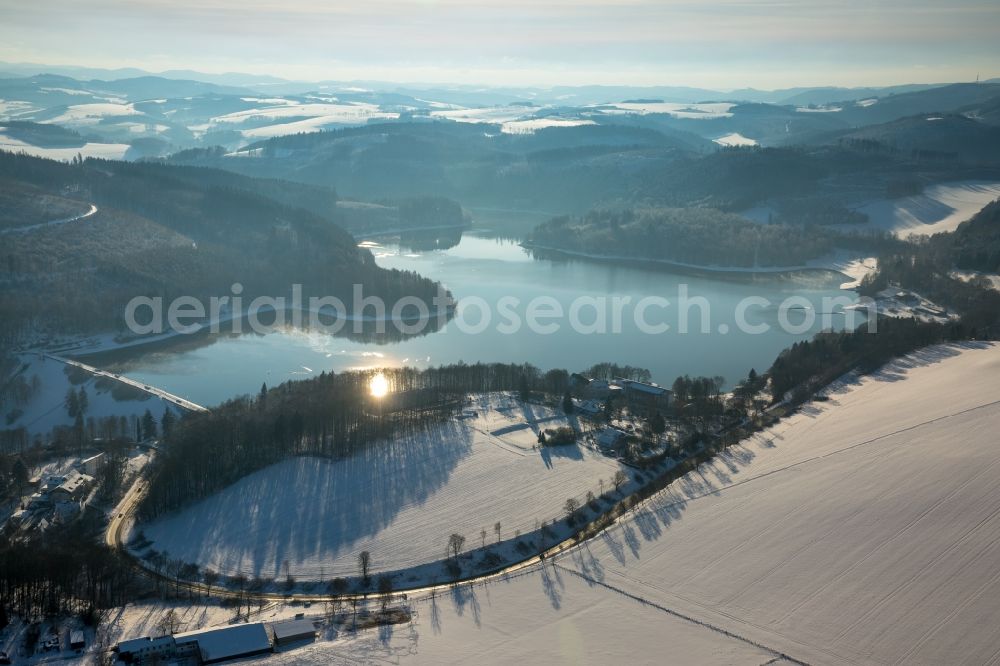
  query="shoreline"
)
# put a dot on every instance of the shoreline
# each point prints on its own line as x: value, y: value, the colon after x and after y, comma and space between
x: 362, y: 236
x: 692, y: 269
x: 107, y: 342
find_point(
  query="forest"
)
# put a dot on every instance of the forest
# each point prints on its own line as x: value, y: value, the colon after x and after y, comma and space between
x: 63, y: 571
x: 168, y: 231
x: 702, y: 236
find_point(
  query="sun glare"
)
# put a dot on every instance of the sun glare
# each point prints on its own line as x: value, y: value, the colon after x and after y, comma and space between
x: 379, y: 386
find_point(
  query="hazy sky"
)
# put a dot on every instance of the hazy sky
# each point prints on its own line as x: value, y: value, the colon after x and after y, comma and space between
x: 730, y: 44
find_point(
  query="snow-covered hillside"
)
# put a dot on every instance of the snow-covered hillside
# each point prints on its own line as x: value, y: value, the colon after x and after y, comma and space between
x: 940, y: 208
x: 865, y: 529
x: 862, y: 530
x: 547, y: 616
x: 400, y: 501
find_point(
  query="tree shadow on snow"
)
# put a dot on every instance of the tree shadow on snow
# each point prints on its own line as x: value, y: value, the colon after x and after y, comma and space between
x: 552, y: 585
x: 314, y: 508
x: 588, y: 564
x: 435, y: 615
x: 464, y: 596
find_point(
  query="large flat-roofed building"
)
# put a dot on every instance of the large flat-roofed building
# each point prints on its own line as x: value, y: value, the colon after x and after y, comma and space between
x: 235, y: 642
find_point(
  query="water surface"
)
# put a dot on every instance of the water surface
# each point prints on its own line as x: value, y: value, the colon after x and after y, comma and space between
x: 211, y: 369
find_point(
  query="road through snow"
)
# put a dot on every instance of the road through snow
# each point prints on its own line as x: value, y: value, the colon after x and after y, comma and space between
x: 53, y: 223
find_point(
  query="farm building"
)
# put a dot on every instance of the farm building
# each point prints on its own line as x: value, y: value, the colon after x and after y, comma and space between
x: 233, y: 642
x: 146, y: 649
x: 293, y: 631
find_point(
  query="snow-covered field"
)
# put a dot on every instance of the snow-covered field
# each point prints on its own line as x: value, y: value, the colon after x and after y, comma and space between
x: 287, y: 117
x: 735, y: 139
x: 548, y: 616
x: 109, y: 151
x: 991, y: 278
x: 819, y: 109
x: 704, y: 111
x: 939, y: 209
x: 492, y: 114
x: 400, y: 501
x: 79, y: 115
x: 865, y: 529
x: 512, y: 119
x: 531, y: 125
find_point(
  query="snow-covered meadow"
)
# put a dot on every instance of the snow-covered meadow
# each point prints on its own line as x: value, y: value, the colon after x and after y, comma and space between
x: 864, y: 529
x: 107, y: 151
x: 400, y: 500
x: 277, y: 117
x: 940, y: 208
x: 735, y: 139
x: 701, y: 111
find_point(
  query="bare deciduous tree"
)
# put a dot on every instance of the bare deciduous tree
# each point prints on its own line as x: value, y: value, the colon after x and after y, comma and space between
x: 571, y: 507
x: 365, y: 563
x: 384, y: 591
x: 211, y: 578
x: 455, y: 543
x: 170, y: 623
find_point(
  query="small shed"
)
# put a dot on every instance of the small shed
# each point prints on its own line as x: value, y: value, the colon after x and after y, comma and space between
x: 77, y: 640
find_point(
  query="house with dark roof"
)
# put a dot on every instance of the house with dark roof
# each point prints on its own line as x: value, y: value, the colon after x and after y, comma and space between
x: 645, y: 398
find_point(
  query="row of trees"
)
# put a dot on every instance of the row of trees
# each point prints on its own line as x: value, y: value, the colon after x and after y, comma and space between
x: 810, y: 364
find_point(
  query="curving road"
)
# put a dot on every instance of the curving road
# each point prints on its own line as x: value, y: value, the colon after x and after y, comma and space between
x: 53, y: 223
x: 125, y: 511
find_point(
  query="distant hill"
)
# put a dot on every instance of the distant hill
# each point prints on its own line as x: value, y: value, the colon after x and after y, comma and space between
x: 766, y: 124
x: 831, y: 95
x: 987, y: 111
x: 47, y: 90
x: 552, y: 169
x: 933, y: 136
x: 944, y: 99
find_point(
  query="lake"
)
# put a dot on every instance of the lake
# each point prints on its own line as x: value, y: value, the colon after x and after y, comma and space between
x: 210, y: 369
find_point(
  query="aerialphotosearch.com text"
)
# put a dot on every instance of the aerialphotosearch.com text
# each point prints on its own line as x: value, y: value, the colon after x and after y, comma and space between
x: 681, y: 312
